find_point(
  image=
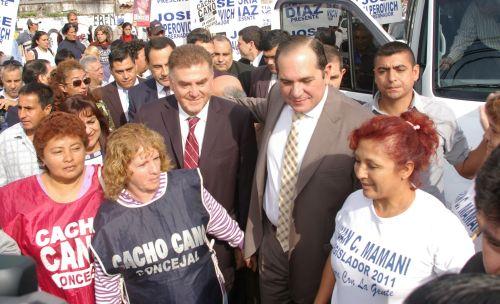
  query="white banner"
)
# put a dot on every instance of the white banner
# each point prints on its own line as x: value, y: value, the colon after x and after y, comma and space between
x: 304, y: 19
x: 175, y: 17
x: 8, y: 17
x: 384, y: 11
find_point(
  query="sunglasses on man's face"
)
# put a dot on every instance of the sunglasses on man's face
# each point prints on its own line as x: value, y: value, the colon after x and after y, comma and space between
x: 78, y: 82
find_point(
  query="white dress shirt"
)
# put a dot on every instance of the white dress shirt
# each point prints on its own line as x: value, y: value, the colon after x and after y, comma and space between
x: 123, y: 94
x: 161, y: 92
x: 255, y: 62
x: 276, y: 150
x: 199, y: 130
x: 274, y: 79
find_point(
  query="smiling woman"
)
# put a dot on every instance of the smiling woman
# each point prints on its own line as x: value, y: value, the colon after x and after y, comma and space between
x: 50, y: 215
x: 391, y: 236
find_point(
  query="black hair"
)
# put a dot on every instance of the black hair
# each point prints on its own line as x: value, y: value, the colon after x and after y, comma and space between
x: 120, y: 53
x: 274, y: 38
x: 252, y: 33
x: 332, y: 53
x: 34, y: 68
x: 199, y: 35
x: 125, y: 24
x: 158, y: 44
x: 326, y: 35
x: 394, y: 47
x: 135, y: 46
x: 300, y: 41
x: 487, y: 187
x: 464, y: 288
x: 42, y: 91
x: 36, y: 37
x: 62, y: 55
x: 67, y: 27
x: 117, y: 43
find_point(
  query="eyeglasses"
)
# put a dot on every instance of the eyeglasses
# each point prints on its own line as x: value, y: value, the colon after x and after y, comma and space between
x: 78, y: 82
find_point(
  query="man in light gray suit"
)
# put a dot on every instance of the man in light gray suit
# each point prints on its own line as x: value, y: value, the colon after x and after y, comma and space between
x: 303, y: 174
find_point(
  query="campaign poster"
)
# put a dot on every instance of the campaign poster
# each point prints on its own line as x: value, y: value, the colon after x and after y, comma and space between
x: 236, y: 15
x: 8, y: 17
x: 141, y: 12
x: 304, y: 19
x: 384, y: 11
x: 175, y: 16
x: 204, y: 13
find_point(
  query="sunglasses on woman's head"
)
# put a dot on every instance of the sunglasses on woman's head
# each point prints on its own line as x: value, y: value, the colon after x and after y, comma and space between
x: 78, y: 82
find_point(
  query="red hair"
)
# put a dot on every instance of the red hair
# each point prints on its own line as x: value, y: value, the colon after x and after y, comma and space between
x: 409, y: 137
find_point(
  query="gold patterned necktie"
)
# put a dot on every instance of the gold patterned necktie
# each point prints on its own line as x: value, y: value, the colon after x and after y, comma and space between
x: 289, y: 173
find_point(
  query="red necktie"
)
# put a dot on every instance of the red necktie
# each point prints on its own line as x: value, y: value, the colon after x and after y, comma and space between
x: 191, y: 156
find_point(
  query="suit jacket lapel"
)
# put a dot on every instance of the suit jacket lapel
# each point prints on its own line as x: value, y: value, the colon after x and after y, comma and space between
x: 214, y: 125
x: 171, y: 121
x: 276, y: 105
x: 116, y: 105
x: 324, y: 136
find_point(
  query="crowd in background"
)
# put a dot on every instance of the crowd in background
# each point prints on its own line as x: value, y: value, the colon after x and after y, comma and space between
x: 137, y: 171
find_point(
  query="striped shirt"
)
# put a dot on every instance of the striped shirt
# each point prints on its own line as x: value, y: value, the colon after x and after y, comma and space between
x: 220, y: 225
x: 17, y: 155
x: 475, y: 25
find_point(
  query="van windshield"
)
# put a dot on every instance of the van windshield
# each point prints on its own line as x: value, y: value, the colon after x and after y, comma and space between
x: 467, y: 36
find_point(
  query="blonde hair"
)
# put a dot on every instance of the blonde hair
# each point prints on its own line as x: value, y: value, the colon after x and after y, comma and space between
x: 123, y: 145
x: 493, y: 107
x: 92, y: 51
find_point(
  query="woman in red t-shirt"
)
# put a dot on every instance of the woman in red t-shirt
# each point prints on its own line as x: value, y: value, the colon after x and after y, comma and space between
x: 50, y: 215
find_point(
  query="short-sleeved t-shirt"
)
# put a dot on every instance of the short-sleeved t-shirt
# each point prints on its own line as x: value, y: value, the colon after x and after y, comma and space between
x: 381, y: 260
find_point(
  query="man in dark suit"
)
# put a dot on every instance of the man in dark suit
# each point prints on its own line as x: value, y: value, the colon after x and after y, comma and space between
x: 115, y: 94
x: 303, y: 174
x: 264, y: 77
x: 250, y: 41
x: 208, y: 132
x: 157, y: 53
x: 223, y: 61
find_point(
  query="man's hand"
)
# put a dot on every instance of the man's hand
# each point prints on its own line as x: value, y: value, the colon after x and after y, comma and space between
x: 483, y: 118
x: 251, y: 263
x: 5, y: 103
x: 446, y: 63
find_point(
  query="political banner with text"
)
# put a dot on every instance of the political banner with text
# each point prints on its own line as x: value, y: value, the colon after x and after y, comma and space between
x: 8, y: 18
x: 141, y: 12
x: 303, y: 19
x: 175, y: 16
x: 384, y: 11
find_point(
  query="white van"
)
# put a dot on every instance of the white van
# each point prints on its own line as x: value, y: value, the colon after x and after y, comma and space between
x: 430, y: 28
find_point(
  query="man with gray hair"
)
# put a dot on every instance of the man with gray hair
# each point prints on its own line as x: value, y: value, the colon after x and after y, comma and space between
x: 94, y: 69
x: 206, y: 132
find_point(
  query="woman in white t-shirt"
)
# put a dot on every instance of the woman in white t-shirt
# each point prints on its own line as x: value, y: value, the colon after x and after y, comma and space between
x: 41, y: 48
x: 390, y: 237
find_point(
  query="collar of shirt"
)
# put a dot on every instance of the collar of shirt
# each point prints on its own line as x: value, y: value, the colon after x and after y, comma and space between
x: 2, y: 94
x: 257, y: 59
x: 159, y: 90
x: 127, y: 200
x: 416, y: 103
x: 316, y: 111
x: 126, y: 90
x: 183, y: 116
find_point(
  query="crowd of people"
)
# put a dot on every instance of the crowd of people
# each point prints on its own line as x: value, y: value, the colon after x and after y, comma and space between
x: 139, y: 171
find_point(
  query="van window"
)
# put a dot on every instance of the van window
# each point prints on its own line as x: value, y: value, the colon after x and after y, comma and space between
x: 336, y: 26
x: 467, y: 36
